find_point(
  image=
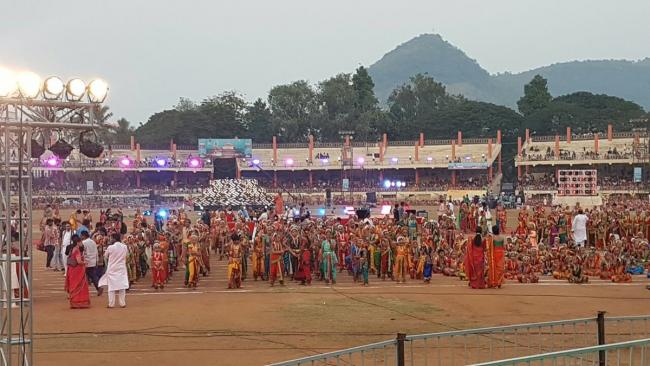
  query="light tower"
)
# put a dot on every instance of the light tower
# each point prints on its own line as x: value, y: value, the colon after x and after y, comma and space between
x: 31, y: 110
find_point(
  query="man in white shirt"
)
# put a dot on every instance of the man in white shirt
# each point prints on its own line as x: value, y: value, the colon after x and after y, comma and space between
x: 65, y: 241
x: 90, y: 258
x: 116, y: 276
x: 579, y: 228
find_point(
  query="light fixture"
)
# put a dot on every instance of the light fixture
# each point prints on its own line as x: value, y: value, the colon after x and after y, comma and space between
x: 89, y: 148
x: 75, y: 90
x: 61, y: 149
x: 256, y: 161
x: 52, y: 161
x: 325, y: 161
x: 161, y: 162
x: 387, y: 183
x: 361, y: 160
x: 289, y: 161
x: 194, y: 162
x: 125, y: 162
x: 7, y: 83
x: 53, y: 87
x: 29, y: 84
x: 97, y: 91
x: 37, y: 149
x: 429, y: 159
x: 394, y: 160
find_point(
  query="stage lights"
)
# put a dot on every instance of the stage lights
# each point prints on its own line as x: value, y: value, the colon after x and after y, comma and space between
x: 256, y: 162
x: 361, y: 160
x: 75, y: 90
x: 53, y: 88
x: 52, y: 162
x: 97, y: 91
x: 7, y: 83
x: 161, y: 162
x: 61, y: 149
x: 194, y: 163
x: 125, y: 162
x: 29, y: 84
x: 289, y: 161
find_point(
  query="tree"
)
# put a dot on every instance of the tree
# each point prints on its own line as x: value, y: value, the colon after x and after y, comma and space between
x: 293, y: 107
x: 123, y: 132
x: 259, y: 121
x: 184, y: 105
x: 105, y: 130
x: 536, y: 96
x: 336, y: 107
x: 363, y: 85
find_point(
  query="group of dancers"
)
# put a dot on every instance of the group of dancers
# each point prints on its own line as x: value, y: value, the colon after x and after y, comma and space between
x: 471, y: 243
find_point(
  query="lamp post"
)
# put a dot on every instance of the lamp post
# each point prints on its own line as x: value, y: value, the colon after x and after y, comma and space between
x: 30, y: 110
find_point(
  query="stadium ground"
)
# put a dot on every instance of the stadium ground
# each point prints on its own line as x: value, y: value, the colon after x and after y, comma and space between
x: 259, y: 324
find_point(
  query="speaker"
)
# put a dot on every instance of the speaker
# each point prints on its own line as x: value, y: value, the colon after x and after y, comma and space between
x: 363, y: 213
x: 371, y: 197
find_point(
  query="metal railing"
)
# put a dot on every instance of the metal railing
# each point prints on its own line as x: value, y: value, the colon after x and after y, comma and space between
x: 630, y: 353
x: 490, y: 344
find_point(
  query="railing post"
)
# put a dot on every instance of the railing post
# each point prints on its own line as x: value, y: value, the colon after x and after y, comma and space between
x: 400, y: 349
x: 600, y: 321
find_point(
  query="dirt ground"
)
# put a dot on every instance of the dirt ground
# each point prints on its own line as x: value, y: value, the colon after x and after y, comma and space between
x: 259, y: 324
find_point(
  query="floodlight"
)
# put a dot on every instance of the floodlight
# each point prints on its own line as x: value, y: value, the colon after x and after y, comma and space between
x: 161, y: 162
x: 194, y: 162
x: 125, y: 162
x: 256, y: 161
x: 361, y: 160
x: 61, y: 149
x: 387, y: 183
x: 394, y: 160
x: 53, y: 87
x: 325, y: 161
x: 7, y: 83
x: 75, y: 90
x: 289, y: 161
x: 29, y: 84
x: 37, y: 149
x: 89, y: 148
x: 429, y: 158
x: 97, y: 91
x: 52, y: 161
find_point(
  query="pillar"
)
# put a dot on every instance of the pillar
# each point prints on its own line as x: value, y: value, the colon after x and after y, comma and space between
x: 500, y: 171
x: 381, y: 176
x: 636, y: 140
x: 175, y: 179
x: 519, y: 155
x: 417, y: 177
x: 499, y: 137
x: 421, y: 139
x: 453, y: 150
x: 174, y: 152
x: 490, y: 173
x: 275, y: 178
x: 381, y: 151
x: 417, y: 151
x: 453, y: 178
x: 568, y: 135
x: 610, y: 133
x: 132, y: 142
x: 311, y: 148
x: 460, y: 139
x: 237, y: 171
x: 311, y: 179
x: 275, y: 151
x: 137, y: 152
x: 556, y: 150
x: 596, y: 143
x: 137, y: 179
x: 527, y: 136
x: 171, y: 145
x: 489, y: 152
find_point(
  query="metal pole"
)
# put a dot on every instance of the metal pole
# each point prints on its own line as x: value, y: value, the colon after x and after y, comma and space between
x: 600, y: 321
x: 400, y: 349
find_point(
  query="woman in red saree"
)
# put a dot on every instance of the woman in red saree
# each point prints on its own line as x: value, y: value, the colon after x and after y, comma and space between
x: 76, y: 284
x: 495, y: 257
x: 475, y: 261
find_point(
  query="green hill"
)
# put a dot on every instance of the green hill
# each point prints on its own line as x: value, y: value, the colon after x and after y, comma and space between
x: 430, y: 54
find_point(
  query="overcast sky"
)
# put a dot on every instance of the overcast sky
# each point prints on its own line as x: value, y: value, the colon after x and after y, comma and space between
x: 153, y: 52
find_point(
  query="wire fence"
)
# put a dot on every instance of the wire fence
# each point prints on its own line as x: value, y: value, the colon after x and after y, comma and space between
x: 490, y: 344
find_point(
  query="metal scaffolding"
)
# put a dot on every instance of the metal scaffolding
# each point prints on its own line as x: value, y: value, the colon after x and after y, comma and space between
x: 21, y: 121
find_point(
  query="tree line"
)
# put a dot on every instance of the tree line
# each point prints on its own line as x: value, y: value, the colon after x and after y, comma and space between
x: 347, y: 102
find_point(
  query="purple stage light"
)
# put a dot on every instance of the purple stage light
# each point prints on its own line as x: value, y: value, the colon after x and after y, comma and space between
x: 52, y: 161
x: 256, y: 161
x: 195, y: 162
x: 361, y: 160
x: 289, y: 161
x: 394, y: 160
x: 125, y: 162
x: 161, y: 162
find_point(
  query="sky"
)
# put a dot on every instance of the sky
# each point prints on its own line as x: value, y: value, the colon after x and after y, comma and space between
x: 151, y: 52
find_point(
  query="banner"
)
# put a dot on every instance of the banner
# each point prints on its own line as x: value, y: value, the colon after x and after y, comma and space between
x: 226, y: 148
x: 468, y: 166
x: 346, y: 185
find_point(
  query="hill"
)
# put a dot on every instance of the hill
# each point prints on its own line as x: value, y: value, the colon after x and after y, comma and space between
x: 430, y: 54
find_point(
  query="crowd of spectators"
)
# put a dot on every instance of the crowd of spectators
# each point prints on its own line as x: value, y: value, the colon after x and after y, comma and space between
x: 535, y: 153
x: 149, y: 162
